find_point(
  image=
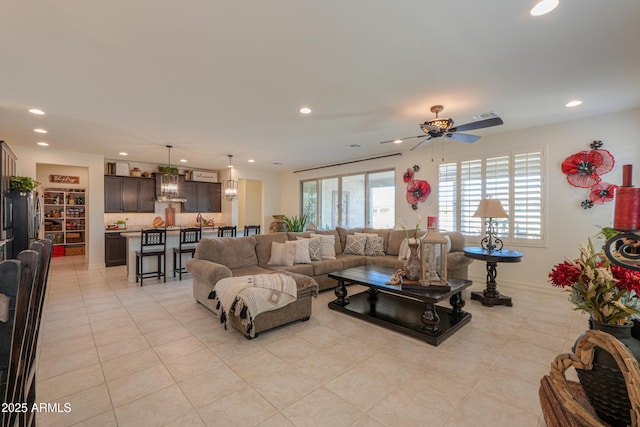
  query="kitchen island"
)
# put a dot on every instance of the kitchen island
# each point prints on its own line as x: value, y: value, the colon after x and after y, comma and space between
x: 173, y: 241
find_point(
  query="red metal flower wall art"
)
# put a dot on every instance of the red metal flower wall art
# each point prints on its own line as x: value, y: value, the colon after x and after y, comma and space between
x: 584, y: 170
x: 417, y: 190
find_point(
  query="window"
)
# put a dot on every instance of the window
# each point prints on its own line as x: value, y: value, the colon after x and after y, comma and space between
x: 358, y: 200
x: 514, y: 179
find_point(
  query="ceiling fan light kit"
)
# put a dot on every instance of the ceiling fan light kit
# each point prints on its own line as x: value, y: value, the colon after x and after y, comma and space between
x: 441, y: 127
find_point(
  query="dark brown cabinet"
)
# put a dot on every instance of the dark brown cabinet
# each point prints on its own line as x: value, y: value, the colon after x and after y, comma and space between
x: 202, y: 196
x: 115, y: 249
x: 129, y: 194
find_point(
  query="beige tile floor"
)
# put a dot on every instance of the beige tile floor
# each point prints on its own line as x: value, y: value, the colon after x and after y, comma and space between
x: 130, y: 356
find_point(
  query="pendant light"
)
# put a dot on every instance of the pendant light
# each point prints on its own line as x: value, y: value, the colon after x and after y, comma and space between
x: 169, y: 185
x: 230, y: 186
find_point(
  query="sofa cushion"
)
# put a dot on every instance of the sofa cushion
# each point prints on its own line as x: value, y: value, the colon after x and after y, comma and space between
x: 374, y: 246
x: 282, y: 253
x: 302, y: 250
x: 457, y: 241
x: 390, y: 261
x: 356, y: 244
x: 327, y: 266
x: 381, y: 232
x: 263, y: 245
x: 337, y: 244
x: 315, y: 247
x: 349, y: 261
x: 395, y: 239
x: 233, y: 252
x: 306, y: 269
x: 293, y: 235
x: 328, y: 246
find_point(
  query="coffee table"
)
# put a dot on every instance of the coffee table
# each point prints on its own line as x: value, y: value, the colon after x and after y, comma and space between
x: 410, y: 311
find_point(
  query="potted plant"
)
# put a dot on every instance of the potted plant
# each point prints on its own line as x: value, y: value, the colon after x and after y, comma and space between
x: 610, y: 295
x: 168, y: 169
x: 23, y: 183
x: 296, y: 223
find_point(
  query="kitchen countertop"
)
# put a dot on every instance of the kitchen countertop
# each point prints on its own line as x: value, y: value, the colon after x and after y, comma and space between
x: 138, y: 229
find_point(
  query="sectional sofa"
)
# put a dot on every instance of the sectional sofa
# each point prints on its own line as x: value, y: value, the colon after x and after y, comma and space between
x: 217, y: 258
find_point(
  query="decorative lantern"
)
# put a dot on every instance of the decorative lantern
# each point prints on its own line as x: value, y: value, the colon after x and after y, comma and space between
x: 434, y: 261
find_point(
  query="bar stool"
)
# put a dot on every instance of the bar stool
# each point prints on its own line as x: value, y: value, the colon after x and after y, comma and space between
x: 251, y: 229
x: 188, y: 238
x: 152, y: 243
x: 228, y: 231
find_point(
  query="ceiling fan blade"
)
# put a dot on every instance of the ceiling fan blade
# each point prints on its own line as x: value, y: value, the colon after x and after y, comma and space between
x: 477, y: 125
x: 421, y: 142
x: 463, y: 137
x: 403, y: 139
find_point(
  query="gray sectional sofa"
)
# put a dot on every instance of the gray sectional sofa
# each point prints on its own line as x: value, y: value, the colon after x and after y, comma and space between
x: 217, y: 258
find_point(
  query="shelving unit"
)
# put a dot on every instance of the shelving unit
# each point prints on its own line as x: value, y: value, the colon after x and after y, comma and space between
x: 65, y: 219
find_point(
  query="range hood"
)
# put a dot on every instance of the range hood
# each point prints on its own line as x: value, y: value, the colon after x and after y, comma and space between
x: 165, y: 199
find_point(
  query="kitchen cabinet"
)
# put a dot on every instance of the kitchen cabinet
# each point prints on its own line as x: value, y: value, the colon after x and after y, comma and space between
x: 202, y: 196
x: 129, y: 194
x: 115, y: 249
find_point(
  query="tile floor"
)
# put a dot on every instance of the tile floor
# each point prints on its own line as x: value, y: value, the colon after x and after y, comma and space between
x: 130, y: 356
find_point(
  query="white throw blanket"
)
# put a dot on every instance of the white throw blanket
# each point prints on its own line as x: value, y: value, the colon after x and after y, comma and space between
x: 248, y: 296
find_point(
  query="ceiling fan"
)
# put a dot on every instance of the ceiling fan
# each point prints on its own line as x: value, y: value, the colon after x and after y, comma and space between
x: 441, y: 127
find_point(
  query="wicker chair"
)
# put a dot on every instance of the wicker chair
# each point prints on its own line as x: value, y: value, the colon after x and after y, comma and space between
x: 564, y: 402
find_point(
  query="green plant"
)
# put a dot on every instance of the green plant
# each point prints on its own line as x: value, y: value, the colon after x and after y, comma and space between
x: 23, y: 183
x: 296, y: 223
x: 168, y: 169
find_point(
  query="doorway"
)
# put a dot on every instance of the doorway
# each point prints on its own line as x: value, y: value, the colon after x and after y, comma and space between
x: 250, y: 203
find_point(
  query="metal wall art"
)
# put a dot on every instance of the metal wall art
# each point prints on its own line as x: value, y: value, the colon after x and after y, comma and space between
x: 584, y: 170
x: 417, y: 190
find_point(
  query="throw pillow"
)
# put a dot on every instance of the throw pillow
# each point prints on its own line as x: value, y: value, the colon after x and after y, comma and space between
x: 355, y: 244
x: 374, y: 246
x: 448, y: 239
x: 302, y: 251
x: 328, y: 245
x: 282, y: 254
x: 315, y: 247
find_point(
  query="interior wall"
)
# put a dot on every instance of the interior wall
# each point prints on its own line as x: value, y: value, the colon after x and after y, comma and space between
x: 565, y: 221
x: 43, y: 172
x: 28, y: 160
x: 252, y: 191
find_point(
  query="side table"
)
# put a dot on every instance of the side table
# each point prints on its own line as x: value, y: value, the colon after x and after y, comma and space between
x: 490, y: 296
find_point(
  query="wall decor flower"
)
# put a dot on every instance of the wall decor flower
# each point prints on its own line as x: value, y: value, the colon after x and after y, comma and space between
x: 417, y: 190
x: 585, y: 169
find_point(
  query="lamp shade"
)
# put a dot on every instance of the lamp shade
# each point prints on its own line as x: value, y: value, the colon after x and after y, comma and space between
x: 490, y: 208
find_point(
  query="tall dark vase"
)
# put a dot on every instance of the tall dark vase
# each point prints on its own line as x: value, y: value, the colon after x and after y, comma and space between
x: 604, y: 384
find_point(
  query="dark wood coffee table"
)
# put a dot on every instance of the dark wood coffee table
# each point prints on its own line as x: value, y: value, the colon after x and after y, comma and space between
x: 410, y: 311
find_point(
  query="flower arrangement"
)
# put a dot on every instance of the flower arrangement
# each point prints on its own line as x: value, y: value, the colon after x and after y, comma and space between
x: 608, y: 292
x: 402, y: 225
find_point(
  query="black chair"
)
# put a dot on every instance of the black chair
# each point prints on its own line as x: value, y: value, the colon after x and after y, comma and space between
x: 153, y: 243
x: 228, y: 231
x: 251, y: 229
x: 24, y: 320
x: 188, y: 239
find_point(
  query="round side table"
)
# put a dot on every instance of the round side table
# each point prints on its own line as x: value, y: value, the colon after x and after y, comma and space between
x: 490, y: 296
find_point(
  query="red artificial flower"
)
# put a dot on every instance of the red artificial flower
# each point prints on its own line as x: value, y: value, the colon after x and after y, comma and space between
x: 565, y: 274
x: 408, y: 175
x: 626, y: 279
x: 602, y: 192
x: 583, y: 169
x: 417, y: 191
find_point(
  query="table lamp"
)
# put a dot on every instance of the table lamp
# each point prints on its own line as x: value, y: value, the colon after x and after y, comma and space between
x: 490, y: 209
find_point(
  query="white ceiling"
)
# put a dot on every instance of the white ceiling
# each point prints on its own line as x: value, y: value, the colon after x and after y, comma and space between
x: 228, y: 77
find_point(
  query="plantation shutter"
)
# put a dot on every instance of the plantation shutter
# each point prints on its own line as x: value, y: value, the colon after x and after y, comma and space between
x: 470, y: 195
x: 448, y: 196
x: 497, y: 186
x: 527, y: 216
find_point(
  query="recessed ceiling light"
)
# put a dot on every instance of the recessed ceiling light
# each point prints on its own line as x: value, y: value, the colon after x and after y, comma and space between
x: 305, y: 110
x: 397, y: 141
x: 40, y: 130
x: 122, y: 153
x: 251, y: 161
x: 183, y: 160
x: 36, y: 111
x: 573, y: 103
x: 43, y: 144
x: 543, y: 7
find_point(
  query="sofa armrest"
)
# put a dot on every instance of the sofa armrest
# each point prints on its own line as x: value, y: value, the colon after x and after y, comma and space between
x: 208, y: 270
